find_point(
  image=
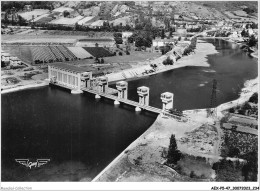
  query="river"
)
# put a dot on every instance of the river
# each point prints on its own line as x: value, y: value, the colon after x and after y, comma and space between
x: 81, y: 135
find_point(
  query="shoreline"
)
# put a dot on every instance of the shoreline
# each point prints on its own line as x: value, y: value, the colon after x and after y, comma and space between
x: 250, y: 87
x: 194, y: 59
x: 24, y: 87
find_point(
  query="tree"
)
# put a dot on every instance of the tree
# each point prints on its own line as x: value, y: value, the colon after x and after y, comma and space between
x: 246, y: 106
x: 231, y: 110
x: 21, y: 21
x: 174, y: 155
x: 250, y: 170
x: 163, y: 34
x: 118, y: 38
x: 139, y: 27
x: 97, y: 60
x: 130, y: 39
x: 139, y: 41
x: 234, y: 152
x: 3, y: 64
x: 227, y: 171
x: 66, y: 13
x: 252, y: 41
x: 254, y: 98
x: 168, y: 61
x: 170, y: 34
x: 244, y: 33
x: 192, y: 174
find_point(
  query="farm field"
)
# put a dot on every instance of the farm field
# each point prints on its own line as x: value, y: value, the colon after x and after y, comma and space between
x: 98, y: 51
x: 29, y: 39
x: 62, y: 9
x: 135, y: 56
x: 86, y: 19
x: 51, y: 53
x: 37, y: 54
x: 66, y: 21
x: 80, y: 52
x: 36, y: 13
x: 124, y: 20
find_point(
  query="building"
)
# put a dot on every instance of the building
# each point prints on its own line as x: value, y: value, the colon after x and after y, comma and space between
x: 163, y: 42
x: 15, y: 61
x: 27, y: 8
x: 158, y: 43
x: 69, y: 76
x: 5, y: 56
x: 250, y: 31
x: 125, y: 35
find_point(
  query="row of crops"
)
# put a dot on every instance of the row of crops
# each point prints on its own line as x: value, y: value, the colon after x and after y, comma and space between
x: 49, y: 54
x: 98, y: 52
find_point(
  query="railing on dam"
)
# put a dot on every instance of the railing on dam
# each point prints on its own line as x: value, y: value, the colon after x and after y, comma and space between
x: 126, y: 101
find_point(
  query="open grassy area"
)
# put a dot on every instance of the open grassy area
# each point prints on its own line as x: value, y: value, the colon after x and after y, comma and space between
x: 135, y: 56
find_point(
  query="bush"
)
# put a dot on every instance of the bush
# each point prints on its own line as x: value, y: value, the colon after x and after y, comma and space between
x: 192, y: 174
x: 127, y: 53
x: 252, y: 41
x: 168, y: 61
x: 234, y: 152
x: 231, y: 110
x: 246, y: 106
x: 254, y: 98
x: 227, y: 172
x: 120, y: 54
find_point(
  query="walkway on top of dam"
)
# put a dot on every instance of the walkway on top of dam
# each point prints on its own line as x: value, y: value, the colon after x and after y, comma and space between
x: 112, y: 97
x: 126, y: 101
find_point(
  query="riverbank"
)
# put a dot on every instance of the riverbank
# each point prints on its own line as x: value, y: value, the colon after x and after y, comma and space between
x: 23, y: 87
x: 250, y: 87
x: 143, y: 161
x: 238, y: 42
x: 198, y: 58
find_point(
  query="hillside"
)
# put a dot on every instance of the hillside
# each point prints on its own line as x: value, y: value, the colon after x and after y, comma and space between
x: 113, y: 11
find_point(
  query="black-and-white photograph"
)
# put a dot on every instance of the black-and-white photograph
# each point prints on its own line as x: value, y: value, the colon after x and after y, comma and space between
x: 130, y: 91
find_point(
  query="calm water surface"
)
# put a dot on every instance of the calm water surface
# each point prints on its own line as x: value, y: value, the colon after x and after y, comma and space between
x: 192, y: 86
x: 81, y: 135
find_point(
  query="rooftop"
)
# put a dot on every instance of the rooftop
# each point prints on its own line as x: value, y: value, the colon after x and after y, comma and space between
x: 5, y: 54
x: 14, y: 58
x: 96, y: 39
x: 71, y: 67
